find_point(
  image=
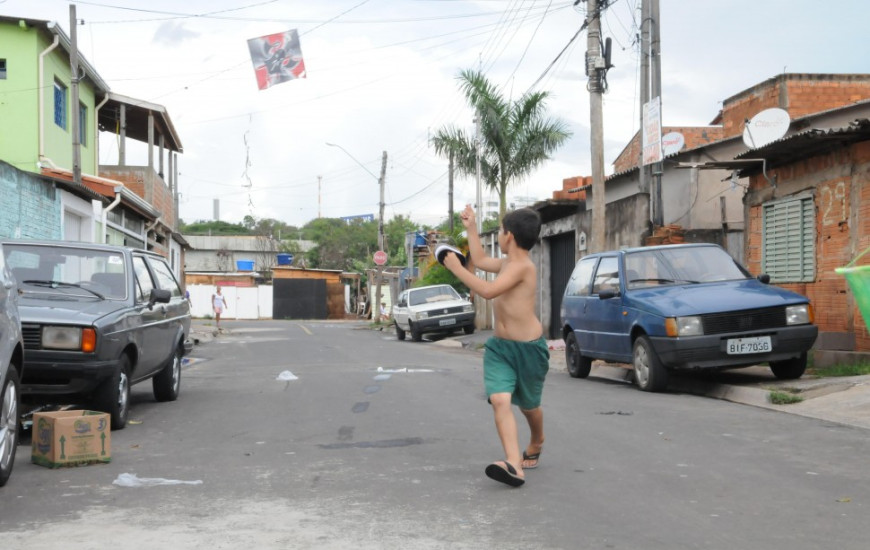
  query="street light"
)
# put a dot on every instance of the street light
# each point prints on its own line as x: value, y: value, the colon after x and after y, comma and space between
x: 377, y: 303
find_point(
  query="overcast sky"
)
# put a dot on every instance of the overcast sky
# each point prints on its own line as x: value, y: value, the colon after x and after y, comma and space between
x: 382, y: 77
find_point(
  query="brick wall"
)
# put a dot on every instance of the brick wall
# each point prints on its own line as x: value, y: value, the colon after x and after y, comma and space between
x: 31, y: 205
x: 799, y: 94
x: 842, y: 231
x: 695, y: 136
x: 148, y: 185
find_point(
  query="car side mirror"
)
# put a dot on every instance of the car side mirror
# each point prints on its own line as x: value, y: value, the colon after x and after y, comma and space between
x: 607, y: 294
x: 764, y: 278
x: 158, y: 296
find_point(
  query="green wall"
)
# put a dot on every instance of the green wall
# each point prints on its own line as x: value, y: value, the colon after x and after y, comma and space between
x: 19, y: 97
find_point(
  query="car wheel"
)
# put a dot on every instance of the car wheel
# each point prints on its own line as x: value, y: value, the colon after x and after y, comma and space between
x: 649, y: 373
x: 416, y: 335
x: 468, y: 329
x: 578, y: 366
x: 790, y: 369
x: 9, y: 401
x: 400, y: 334
x: 113, y: 396
x: 167, y: 383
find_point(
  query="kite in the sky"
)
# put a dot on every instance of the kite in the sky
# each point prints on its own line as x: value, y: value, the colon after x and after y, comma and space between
x: 277, y: 58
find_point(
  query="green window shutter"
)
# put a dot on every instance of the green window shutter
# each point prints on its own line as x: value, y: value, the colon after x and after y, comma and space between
x: 788, y: 240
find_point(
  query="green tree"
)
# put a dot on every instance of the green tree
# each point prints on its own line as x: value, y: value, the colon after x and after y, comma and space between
x: 516, y: 137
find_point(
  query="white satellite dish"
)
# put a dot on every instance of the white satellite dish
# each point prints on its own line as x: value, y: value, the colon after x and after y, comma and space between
x: 672, y: 142
x: 768, y: 125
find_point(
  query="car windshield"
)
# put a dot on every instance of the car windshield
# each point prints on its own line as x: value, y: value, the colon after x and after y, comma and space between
x: 68, y: 270
x: 680, y: 265
x: 434, y: 294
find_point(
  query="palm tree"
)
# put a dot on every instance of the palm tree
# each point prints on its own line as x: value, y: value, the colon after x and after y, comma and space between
x: 516, y: 137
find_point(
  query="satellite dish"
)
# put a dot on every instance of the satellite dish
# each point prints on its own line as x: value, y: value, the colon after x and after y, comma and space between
x: 672, y: 142
x: 768, y: 125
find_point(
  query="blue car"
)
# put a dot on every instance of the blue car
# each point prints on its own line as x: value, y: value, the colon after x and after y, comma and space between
x: 672, y: 307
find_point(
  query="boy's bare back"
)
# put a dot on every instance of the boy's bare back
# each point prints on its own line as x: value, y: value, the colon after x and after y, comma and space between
x: 513, y: 292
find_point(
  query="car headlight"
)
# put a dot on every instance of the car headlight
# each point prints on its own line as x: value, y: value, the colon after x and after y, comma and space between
x: 798, y: 315
x: 684, y: 326
x: 69, y: 338
x: 468, y: 307
x: 421, y: 315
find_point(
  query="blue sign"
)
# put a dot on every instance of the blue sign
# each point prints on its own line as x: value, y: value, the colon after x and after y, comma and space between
x: 363, y: 217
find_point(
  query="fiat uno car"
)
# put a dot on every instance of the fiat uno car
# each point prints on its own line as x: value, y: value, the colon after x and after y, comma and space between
x: 97, y: 319
x: 691, y: 306
x: 432, y: 309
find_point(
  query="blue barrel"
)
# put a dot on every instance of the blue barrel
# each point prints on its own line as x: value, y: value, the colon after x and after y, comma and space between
x: 285, y: 259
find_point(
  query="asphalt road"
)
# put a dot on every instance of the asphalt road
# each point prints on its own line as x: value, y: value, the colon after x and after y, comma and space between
x: 382, y: 444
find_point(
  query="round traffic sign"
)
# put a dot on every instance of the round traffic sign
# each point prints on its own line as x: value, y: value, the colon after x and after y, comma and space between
x: 380, y: 257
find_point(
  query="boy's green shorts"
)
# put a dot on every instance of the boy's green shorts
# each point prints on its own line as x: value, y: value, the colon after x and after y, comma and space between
x: 517, y: 368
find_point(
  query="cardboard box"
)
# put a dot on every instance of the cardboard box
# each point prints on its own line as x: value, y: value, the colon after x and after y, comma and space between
x: 71, y: 438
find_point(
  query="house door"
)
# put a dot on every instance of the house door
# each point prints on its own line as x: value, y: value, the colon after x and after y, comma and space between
x: 72, y: 226
x: 561, y: 265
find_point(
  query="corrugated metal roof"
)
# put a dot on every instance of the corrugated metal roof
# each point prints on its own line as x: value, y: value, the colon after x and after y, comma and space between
x: 806, y: 143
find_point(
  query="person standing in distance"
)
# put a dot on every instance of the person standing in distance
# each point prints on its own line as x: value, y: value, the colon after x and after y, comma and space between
x: 219, y: 304
x: 516, y: 358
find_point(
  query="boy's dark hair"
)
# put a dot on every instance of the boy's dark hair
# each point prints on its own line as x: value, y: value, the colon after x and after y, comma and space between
x: 525, y: 225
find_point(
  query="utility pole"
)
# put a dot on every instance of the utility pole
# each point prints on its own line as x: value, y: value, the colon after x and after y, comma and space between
x: 479, y: 199
x: 595, y: 67
x: 656, y: 60
x: 644, y: 99
x: 74, y: 95
x: 319, y: 180
x: 381, y: 182
x: 450, y: 190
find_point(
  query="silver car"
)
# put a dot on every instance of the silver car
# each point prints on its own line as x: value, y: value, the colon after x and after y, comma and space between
x: 11, y: 352
x: 432, y: 309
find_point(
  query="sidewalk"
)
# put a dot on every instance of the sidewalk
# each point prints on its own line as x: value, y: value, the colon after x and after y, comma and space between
x: 843, y: 400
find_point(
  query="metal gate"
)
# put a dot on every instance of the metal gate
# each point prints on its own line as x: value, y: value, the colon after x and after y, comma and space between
x: 299, y: 299
x: 562, y: 262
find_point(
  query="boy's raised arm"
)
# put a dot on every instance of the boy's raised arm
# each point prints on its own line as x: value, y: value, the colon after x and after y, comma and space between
x: 475, y: 248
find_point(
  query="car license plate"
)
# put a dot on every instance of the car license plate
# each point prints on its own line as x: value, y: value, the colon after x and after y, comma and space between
x: 445, y: 322
x: 740, y: 346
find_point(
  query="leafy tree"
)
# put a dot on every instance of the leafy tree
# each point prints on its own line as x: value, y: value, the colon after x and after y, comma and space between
x: 516, y: 137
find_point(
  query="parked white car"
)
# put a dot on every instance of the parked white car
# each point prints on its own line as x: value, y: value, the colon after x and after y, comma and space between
x: 11, y: 350
x: 432, y: 309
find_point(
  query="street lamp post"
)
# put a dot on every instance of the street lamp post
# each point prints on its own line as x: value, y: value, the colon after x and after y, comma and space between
x: 381, y: 181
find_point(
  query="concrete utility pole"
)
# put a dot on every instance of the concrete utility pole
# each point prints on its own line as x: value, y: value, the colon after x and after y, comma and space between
x: 595, y: 67
x: 381, y: 182
x: 656, y: 60
x: 450, y: 191
x: 74, y: 95
x: 644, y: 99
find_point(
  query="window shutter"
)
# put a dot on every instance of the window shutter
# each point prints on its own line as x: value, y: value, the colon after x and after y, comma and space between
x: 788, y: 249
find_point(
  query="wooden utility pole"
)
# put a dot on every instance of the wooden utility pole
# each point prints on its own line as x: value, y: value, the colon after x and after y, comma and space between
x: 74, y: 96
x: 595, y: 67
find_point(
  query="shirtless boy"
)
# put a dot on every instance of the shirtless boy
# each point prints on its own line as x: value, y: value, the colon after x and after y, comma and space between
x: 516, y: 359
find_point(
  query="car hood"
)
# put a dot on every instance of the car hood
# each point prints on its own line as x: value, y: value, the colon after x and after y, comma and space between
x: 706, y: 298
x: 64, y: 310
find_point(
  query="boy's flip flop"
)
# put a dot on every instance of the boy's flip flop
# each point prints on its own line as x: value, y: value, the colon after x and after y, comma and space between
x: 536, y: 457
x: 506, y: 474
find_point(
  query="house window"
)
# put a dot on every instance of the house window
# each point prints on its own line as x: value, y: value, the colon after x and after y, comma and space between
x: 60, y: 104
x: 2, y: 69
x: 83, y: 124
x: 788, y: 240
